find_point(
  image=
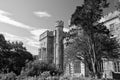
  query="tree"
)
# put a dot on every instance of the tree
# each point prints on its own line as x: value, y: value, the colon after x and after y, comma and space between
x: 13, y: 56
x: 95, y: 42
x: 18, y: 57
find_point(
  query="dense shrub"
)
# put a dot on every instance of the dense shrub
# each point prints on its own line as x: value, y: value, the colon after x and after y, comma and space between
x: 66, y: 77
x: 36, y: 68
x: 8, y: 76
x: 69, y: 77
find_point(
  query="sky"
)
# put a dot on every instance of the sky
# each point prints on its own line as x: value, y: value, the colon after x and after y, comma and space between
x: 25, y: 20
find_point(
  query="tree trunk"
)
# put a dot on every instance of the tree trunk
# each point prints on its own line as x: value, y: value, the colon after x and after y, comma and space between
x: 92, y: 53
x: 93, y: 67
x: 94, y: 58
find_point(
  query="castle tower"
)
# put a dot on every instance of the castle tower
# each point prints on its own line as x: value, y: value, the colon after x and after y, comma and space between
x: 58, y: 45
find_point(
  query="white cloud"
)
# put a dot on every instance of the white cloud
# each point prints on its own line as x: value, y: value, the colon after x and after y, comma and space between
x: 32, y: 42
x: 25, y: 40
x: 11, y: 37
x: 42, y: 14
x: 36, y: 33
x: 5, y: 19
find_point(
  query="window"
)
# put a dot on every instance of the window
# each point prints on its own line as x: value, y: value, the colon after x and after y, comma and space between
x: 40, y: 53
x: 41, y: 44
x: 44, y: 43
x: 101, y: 67
x: 112, y: 27
x: 77, y: 67
x: 44, y: 55
x: 69, y: 66
x: 117, y: 66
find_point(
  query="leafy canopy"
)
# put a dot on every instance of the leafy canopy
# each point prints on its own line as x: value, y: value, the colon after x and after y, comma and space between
x: 13, y: 56
x: 91, y: 40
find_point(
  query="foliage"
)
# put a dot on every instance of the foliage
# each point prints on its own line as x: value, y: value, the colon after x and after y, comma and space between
x: 8, y: 76
x: 68, y: 77
x: 40, y: 78
x: 36, y: 68
x: 13, y: 56
x: 65, y: 77
x: 90, y: 40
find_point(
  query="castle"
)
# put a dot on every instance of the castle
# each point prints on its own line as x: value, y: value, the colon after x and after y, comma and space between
x: 51, y: 45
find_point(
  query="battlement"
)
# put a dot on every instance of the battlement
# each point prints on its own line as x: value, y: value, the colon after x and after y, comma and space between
x: 45, y: 34
x: 59, y: 23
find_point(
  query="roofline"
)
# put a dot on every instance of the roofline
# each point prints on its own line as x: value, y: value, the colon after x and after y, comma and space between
x: 110, y: 19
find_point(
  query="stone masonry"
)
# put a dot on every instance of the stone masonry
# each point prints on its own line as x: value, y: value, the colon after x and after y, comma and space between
x: 51, y: 45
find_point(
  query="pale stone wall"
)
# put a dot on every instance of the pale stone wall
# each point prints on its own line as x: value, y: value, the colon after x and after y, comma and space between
x: 70, y: 70
x: 50, y: 49
x: 51, y: 45
x: 108, y: 67
x: 82, y: 69
x: 43, y: 49
x: 46, y: 47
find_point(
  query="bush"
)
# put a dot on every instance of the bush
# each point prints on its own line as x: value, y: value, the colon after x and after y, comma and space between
x: 8, y: 76
x: 69, y: 77
x: 66, y: 77
x: 36, y: 68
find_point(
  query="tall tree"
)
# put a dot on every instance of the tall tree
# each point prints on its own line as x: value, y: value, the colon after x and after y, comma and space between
x: 95, y: 43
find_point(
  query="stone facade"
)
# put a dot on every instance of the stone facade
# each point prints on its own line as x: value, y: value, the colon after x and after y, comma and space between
x: 75, y: 68
x: 112, y: 22
x: 51, y: 45
x: 46, y: 46
x: 110, y: 67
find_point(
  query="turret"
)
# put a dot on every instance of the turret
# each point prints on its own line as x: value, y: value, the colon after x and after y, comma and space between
x: 59, y: 53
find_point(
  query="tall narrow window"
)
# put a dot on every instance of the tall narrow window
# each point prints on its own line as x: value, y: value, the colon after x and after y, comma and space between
x: 112, y: 29
x: 117, y: 66
x: 77, y: 67
x: 101, y: 67
x: 40, y: 53
x: 69, y: 66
